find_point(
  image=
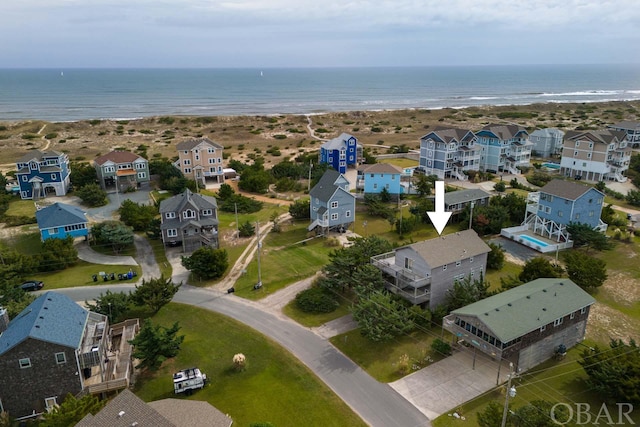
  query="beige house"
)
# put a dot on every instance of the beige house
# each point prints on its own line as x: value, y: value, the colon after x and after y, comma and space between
x: 200, y: 159
x: 602, y: 155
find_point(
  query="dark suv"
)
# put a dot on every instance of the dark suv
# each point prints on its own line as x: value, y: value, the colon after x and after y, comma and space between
x: 32, y: 285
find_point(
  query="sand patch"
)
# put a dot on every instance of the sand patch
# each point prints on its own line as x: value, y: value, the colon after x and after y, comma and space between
x: 622, y: 288
x: 605, y: 324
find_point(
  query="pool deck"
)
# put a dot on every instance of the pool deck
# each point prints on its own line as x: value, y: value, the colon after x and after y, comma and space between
x: 513, y: 233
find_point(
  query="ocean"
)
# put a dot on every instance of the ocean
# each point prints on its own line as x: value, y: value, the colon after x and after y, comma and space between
x: 77, y: 94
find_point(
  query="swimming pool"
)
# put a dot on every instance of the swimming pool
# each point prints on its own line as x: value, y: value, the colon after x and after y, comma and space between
x: 533, y: 240
x: 551, y: 165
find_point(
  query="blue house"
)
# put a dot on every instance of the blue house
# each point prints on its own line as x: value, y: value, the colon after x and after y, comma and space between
x: 341, y: 152
x: 60, y: 220
x: 503, y: 148
x: 559, y: 203
x: 332, y: 206
x: 43, y: 172
x: 374, y: 178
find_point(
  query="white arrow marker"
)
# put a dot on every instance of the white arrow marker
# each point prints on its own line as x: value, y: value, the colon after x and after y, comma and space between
x: 439, y: 218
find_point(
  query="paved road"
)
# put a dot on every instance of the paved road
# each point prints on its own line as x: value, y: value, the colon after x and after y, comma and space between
x: 377, y: 403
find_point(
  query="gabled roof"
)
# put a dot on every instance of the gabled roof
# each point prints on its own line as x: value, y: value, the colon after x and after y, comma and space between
x: 178, y: 202
x: 326, y: 187
x: 448, y: 135
x: 598, y: 136
x: 194, y: 142
x: 463, y: 196
x: 337, y: 143
x: 525, y: 308
x: 52, y: 317
x: 191, y: 413
x: 386, y: 168
x: 38, y: 156
x: 59, y: 215
x: 626, y: 125
x: 504, y: 132
x: 566, y: 189
x: 450, y: 248
x: 118, y: 157
x: 126, y: 410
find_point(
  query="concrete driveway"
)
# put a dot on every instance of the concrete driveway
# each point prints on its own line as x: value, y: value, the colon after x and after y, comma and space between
x: 447, y: 384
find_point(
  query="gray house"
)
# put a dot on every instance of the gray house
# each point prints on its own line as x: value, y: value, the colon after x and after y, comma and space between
x: 121, y: 170
x: 525, y: 325
x: 423, y: 272
x: 547, y: 142
x: 55, y: 347
x: 190, y: 220
x: 332, y: 206
x: 457, y: 201
x: 632, y: 129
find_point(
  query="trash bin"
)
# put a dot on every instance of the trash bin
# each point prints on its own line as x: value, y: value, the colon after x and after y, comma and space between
x: 105, y: 278
x: 231, y: 290
x: 129, y: 275
x: 113, y: 276
x: 95, y: 277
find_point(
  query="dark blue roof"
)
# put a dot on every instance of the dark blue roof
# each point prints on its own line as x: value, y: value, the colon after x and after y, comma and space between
x: 59, y: 215
x: 52, y: 317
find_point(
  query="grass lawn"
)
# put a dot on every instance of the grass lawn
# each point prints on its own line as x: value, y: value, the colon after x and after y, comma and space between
x: 274, y: 386
x: 311, y: 320
x: 26, y: 243
x: 380, y: 359
x: 284, y: 261
x: 19, y: 207
x: 80, y: 275
x: 401, y: 162
x: 494, y: 276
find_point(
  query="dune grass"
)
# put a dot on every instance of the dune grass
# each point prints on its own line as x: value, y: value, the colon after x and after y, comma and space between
x: 273, y: 387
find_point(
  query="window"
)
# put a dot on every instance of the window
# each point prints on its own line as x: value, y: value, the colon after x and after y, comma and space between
x: 371, y: 175
x: 583, y: 310
x: 189, y: 214
x: 211, y: 161
x: 542, y: 328
x: 186, y: 151
x: 172, y: 232
x: 211, y: 150
x: 334, y: 216
x: 572, y: 315
x: 50, y: 403
x: 560, y: 214
x: 140, y: 166
x: 61, y: 358
x: 470, y: 259
x: 219, y: 168
x: 557, y: 322
x: 187, y: 170
x: 53, y: 176
x: 142, y: 175
x: 458, y: 263
x: 575, y: 154
x: 375, y: 186
x: 334, y: 205
x: 109, y: 169
x: 24, y: 363
x: 206, y: 212
x: 347, y: 214
x: 170, y: 215
x: 219, y: 160
x: 590, y: 213
x: 187, y: 162
x: 408, y: 263
x: 577, y: 216
x: 24, y: 178
x: 197, y: 157
x: 444, y: 267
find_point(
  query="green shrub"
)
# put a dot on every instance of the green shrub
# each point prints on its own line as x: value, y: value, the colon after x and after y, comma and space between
x: 316, y: 300
x: 51, y: 135
x: 29, y: 136
x: 441, y: 347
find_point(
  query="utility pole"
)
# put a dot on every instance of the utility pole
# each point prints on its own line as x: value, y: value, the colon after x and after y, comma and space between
x: 471, y: 215
x: 235, y: 207
x: 310, y: 167
x: 259, y: 284
x: 511, y: 392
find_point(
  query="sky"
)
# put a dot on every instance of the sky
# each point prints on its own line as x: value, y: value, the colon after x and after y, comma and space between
x: 315, y: 33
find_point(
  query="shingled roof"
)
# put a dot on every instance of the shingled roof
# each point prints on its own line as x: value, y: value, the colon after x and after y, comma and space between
x: 386, y: 168
x: 566, y: 189
x: 447, y: 135
x: 194, y: 142
x: 525, y: 308
x: 337, y: 143
x: 450, y: 248
x: 59, y: 215
x: 38, y: 156
x: 504, y: 132
x: 326, y: 187
x: 52, y: 317
x: 599, y: 136
x: 463, y: 196
x: 177, y: 202
x: 118, y: 157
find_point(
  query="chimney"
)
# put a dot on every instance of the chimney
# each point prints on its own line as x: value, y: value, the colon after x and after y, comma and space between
x: 4, y: 320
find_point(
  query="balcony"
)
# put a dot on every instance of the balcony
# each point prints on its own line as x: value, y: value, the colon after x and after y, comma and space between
x: 401, y: 281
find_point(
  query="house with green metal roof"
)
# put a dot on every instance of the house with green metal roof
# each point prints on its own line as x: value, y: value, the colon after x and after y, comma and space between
x: 52, y: 348
x: 525, y: 325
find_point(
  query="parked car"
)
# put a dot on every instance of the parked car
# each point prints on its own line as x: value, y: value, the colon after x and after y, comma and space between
x: 32, y: 285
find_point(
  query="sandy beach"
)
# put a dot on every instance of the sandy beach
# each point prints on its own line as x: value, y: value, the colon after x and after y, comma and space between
x: 246, y: 135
